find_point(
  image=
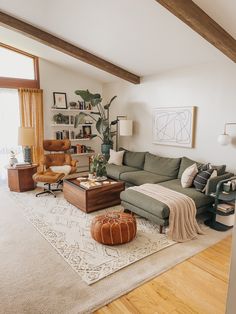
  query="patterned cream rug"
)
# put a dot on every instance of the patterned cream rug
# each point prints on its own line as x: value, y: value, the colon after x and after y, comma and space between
x: 67, y: 229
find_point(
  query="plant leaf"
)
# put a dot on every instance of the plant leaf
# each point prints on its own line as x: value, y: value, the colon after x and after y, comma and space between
x: 107, y: 106
x: 79, y: 118
x: 95, y: 101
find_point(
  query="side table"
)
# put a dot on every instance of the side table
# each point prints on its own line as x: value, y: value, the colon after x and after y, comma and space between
x: 20, y: 179
x: 221, y: 197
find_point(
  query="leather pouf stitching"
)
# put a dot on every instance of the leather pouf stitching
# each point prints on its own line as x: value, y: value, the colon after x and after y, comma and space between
x: 114, y: 228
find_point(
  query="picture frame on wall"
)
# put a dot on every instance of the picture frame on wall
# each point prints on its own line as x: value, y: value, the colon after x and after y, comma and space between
x: 60, y: 100
x: 174, y: 126
x: 87, y: 131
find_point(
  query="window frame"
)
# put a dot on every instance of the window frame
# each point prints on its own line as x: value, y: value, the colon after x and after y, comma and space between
x: 10, y: 82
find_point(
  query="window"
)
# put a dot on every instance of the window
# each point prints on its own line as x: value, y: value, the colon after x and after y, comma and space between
x: 17, y: 68
x: 10, y: 121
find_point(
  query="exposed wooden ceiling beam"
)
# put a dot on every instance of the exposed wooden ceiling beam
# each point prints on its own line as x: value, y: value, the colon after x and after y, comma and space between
x: 204, y: 25
x: 65, y: 47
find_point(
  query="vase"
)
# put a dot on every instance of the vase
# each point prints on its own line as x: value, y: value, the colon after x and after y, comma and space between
x: 105, y: 149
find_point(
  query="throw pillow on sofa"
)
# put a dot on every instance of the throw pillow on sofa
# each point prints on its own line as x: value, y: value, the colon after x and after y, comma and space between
x: 188, y: 176
x: 116, y: 158
x: 201, y: 179
x: 213, y: 175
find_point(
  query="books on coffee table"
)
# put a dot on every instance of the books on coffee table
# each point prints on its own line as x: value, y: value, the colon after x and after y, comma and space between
x: 90, y: 184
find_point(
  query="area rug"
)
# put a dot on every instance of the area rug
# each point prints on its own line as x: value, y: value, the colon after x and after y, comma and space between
x: 67, y: 229
x: 34, y: 279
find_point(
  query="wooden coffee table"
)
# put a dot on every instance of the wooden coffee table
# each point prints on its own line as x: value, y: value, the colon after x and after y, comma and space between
x: 94, y: 198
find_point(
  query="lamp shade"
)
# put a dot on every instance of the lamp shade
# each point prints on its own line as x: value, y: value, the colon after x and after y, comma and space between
x: 26, y: 136
x: 223, y: 139
x: 126, y: 127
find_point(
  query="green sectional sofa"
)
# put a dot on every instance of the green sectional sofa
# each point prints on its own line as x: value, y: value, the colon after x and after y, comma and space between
x: 142, y: 167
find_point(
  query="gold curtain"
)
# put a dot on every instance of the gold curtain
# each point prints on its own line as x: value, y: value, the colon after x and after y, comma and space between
x: 31, y: 115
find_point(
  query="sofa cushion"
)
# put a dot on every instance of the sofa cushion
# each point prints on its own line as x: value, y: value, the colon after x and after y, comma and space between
x: 220, y: 169
x: 200, y: 199
x: 185, y: 163
x: 201, y: 179
x: 164, y: 166
x: 145, y: 202
x: 116, y: 158
x: 114, y: 171
x: 141, y: 177
x: 133, y: 159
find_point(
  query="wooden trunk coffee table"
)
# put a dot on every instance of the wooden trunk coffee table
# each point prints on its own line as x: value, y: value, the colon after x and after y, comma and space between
x: 94, y: 198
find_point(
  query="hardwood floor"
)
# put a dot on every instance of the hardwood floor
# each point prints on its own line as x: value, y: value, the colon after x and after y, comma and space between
x: 198, y: 285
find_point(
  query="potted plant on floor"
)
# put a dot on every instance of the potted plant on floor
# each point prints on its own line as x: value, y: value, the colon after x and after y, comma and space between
x: 100, y: 115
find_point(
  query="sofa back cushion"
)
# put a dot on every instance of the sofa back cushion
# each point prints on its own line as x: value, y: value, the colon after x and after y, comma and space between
x: 185, y: 163
x: 161, y: 165
x: 134, y: 159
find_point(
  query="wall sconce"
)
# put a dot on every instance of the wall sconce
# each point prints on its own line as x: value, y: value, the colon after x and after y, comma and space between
x: 124, y: 127
x: 224, y: 139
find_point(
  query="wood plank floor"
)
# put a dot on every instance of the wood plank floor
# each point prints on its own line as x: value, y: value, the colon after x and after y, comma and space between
x: 198, y: 285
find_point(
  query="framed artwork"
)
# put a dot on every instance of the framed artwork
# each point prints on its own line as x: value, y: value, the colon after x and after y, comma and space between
x: 60, y: 100
x: 174, y: 126
x: 87, y: 130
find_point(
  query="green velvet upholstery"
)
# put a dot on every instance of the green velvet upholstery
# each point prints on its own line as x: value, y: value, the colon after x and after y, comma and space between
x: 134, y: 159
x: 141, y: 177
x: 168, y: 167
x: 139, y: 211
x: 114, y: 171
x: 200, y: 199
x: 145, y: 203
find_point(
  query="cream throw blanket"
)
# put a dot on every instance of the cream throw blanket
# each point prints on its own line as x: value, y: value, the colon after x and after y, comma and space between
x: 183, y: 225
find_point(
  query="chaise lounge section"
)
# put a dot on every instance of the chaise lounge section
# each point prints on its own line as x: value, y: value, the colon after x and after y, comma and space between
x: 142, y: 167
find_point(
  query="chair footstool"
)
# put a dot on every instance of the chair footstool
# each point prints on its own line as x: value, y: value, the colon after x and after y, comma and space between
x: 48, y: 178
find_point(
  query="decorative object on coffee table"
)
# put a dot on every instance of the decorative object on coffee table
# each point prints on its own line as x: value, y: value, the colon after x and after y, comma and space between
x: 114, y: 228
x: 98, y: 165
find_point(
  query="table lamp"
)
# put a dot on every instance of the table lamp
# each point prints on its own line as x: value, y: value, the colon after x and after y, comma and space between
x: 26, y: 139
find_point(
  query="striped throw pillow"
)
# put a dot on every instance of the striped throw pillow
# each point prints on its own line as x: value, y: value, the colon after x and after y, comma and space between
x: 201, y: 179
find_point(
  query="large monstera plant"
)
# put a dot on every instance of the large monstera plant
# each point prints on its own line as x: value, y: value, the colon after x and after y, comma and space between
x: 100, y: 115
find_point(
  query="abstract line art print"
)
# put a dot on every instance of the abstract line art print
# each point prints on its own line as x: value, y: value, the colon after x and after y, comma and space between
x: 174, y: 126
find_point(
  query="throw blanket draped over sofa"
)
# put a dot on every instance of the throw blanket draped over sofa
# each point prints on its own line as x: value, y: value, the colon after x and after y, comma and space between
x: 182, y: 219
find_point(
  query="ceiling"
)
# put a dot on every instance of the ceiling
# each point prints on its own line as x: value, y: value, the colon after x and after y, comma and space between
x: 139, y: 36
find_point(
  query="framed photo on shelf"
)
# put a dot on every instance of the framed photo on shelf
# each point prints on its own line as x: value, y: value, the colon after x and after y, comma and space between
x: 60, y: 100
x: 87, y: 130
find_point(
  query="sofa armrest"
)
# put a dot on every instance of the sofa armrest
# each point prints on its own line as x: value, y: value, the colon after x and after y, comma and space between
x: 212, y: 184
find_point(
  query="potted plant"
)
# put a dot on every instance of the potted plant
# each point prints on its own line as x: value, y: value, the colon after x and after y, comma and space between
x: 98, y: 166
x: 100, y: 115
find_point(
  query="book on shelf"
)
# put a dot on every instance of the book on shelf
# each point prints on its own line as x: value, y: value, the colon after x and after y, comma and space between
x: 226, y: 208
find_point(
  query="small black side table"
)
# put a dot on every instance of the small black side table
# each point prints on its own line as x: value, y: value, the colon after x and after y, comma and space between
x: 220, y: 196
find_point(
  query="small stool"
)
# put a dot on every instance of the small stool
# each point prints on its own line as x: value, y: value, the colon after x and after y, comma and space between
x: 114, y: 228
x: 48, y: 178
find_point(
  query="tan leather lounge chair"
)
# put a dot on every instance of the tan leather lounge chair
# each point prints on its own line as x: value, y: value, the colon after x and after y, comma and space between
x: 54, y: 165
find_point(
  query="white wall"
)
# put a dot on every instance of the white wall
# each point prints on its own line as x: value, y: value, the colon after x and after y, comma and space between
x: 57, y: 79
x: 210, y: 87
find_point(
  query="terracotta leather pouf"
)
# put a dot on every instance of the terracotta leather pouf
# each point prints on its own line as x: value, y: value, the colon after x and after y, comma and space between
x: 114, y: 228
